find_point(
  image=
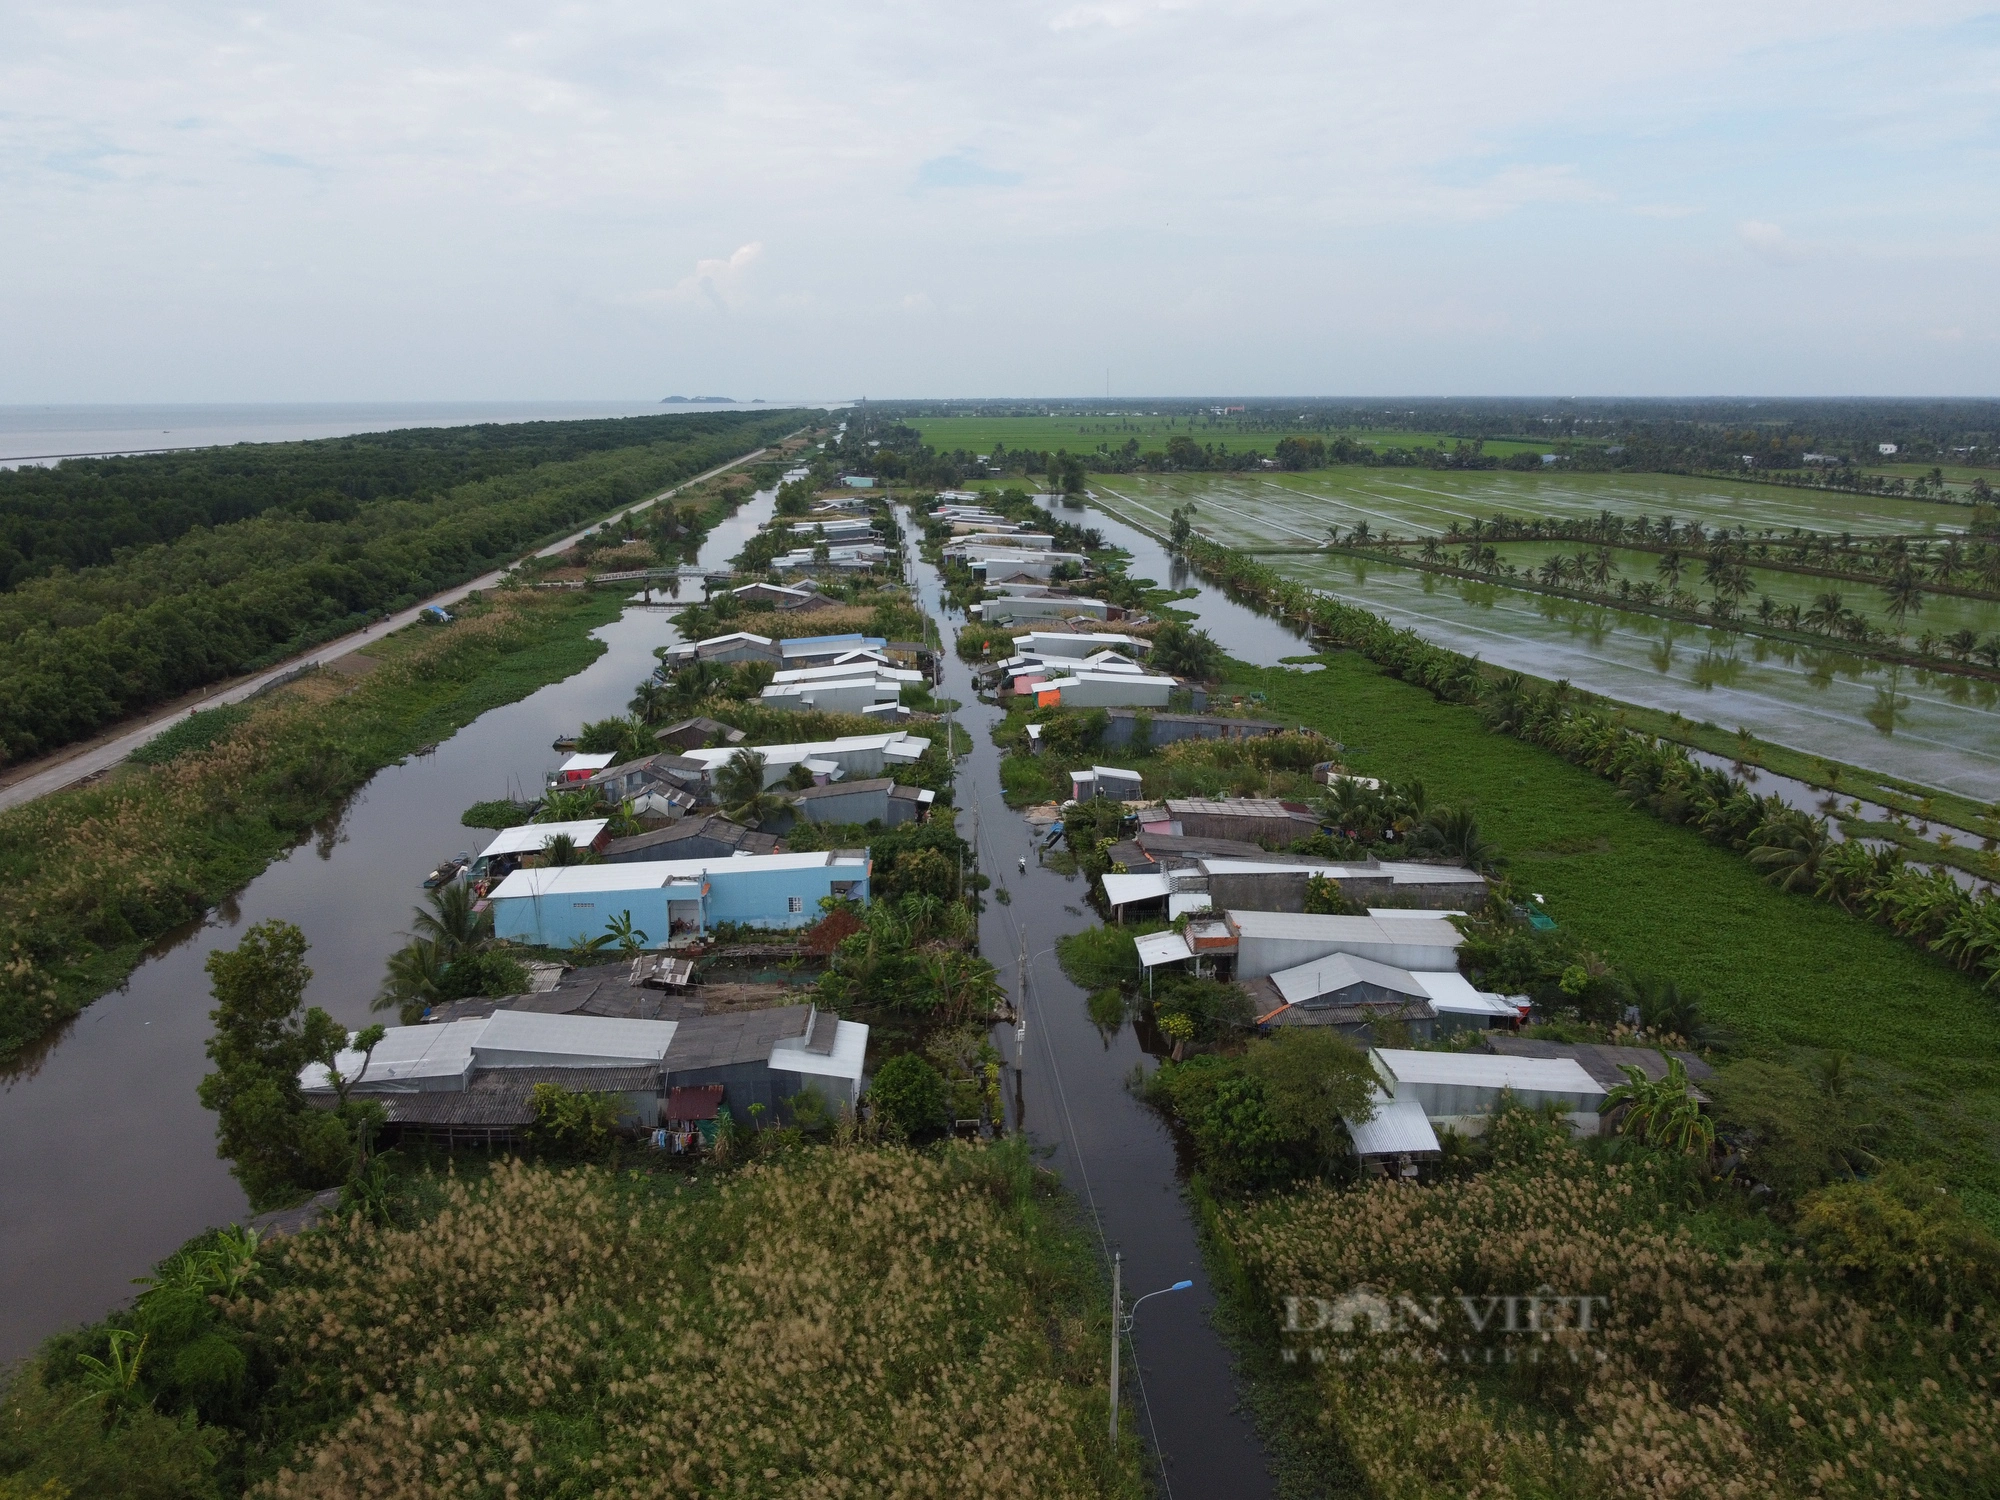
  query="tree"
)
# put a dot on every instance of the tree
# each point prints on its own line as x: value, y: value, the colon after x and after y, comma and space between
x: 264, y: 1035
x: 1186, y: 651
x: 909, y: 1096
x: 1180, y: 530
x: 1314, y: 1081
x: 1789, y: 846
x: 1662, y: 1113
x: 415, y: 980
x: 740, y: 780
x: 454, y: 922
x: 653, y: 702
x: 1903, y: 596
x: 560, y: 850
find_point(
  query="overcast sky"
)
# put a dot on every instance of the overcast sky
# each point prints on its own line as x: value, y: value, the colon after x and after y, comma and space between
x: 506, y: 200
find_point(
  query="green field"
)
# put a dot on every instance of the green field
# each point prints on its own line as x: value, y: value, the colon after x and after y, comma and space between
x: 1089, y: 434
x: 1784, y: 971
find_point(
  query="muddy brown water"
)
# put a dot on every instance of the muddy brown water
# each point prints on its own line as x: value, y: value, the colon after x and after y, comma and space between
x: 107, y: 1159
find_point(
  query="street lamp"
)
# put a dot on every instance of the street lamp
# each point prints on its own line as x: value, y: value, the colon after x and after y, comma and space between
x: 1121, y: 1324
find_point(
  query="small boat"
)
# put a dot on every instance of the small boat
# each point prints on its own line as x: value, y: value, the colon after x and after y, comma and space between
x: 564, y: 742
x: 447, y: 872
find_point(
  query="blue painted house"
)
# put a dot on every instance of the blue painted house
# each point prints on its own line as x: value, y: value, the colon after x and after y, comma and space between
x: 674, y: 899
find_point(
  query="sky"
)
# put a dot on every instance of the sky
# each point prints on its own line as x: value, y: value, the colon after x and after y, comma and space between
x: 360, y: 201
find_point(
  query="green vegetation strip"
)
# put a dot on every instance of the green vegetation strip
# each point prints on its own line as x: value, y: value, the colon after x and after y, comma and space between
x: 94, y: 874
x: 81, y: 650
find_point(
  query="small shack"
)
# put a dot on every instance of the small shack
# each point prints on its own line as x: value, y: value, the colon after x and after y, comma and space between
x: 1114, y: 782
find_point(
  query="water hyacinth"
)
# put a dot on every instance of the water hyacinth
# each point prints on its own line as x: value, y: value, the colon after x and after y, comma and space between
x: 1705, y: 1373
x: 840, y: 1323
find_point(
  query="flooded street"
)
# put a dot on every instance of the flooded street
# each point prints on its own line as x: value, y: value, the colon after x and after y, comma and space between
x: 107, y: 1159
x: 1111, y: 1149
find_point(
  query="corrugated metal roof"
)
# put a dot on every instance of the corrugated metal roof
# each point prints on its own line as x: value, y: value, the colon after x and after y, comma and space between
x: 531, y: 838
x: 1339, y: 971
x: 600, y: 1038
x: 1395, y: 1129
x: 1121, y: 889
x: 1484, y: 1070
x: 1452, y: 993
x: 1157, y: 948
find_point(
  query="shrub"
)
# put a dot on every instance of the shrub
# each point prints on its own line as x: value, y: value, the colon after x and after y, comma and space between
x: 570, y: 1124
x: 909, y: 1096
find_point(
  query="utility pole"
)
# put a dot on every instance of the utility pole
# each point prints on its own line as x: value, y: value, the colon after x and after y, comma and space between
x: 1117, y: 1316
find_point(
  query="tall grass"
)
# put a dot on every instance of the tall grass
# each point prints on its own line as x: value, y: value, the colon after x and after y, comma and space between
x: 1709, y: 1371
x: 845, y: 1321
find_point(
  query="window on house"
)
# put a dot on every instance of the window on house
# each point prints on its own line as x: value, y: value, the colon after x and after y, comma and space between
x: 795, y: 903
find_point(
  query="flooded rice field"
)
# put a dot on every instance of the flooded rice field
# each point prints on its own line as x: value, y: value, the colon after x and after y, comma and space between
x: 1935, y: 729
x: 1262, y: 510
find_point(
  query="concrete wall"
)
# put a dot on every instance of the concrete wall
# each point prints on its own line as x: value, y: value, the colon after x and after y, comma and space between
x: 1279, y: 891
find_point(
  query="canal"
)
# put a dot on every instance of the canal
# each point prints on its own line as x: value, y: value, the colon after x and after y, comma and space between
x: 107, y: 1160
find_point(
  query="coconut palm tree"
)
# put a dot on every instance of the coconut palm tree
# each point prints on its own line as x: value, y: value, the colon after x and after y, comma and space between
x: 1670, y: 567
x: 653, y: 702
x: 1824, y: 616
x: 452, y: 922
x: 560, y: 851
x: 1457, y: 829
x: 1663, y: 1114
x: 1789, y: 846
x: 414, y: 981
x: 1902, y: 596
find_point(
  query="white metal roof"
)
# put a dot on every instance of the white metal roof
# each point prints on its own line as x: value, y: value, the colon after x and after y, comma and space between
x: 1409, y: 914
x: 1157, y: 948
x: 850, y: 1047
x: 1129, y: 676
x: 647, y: 875
x: 1117, y: 773
x: 808, y: 749
x: 406, y: 1055
x: 520, y: 1038
x: 531, y: 838
x: 1485, y: 1070
x: 1052, y: 642
x: 1453, y: 992
x: 1308, y: 927
x: 587, y: 763
x: 1120, y: 889
x: 1403, y: 873
x: 1179, y: 903
x: 1308, y: 981
x: 1395, y: 1129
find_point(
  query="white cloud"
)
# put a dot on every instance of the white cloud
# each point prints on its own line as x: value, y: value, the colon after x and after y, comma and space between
x: 1770, y: 243
x: 713, y: 282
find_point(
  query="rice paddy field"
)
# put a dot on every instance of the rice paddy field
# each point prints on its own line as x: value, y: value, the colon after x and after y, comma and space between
x: 1933, y: 730
x: 1088, y: 433
x: 1275, y: 509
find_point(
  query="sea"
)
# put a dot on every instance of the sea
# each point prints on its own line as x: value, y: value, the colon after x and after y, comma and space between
x: 49, y: 434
